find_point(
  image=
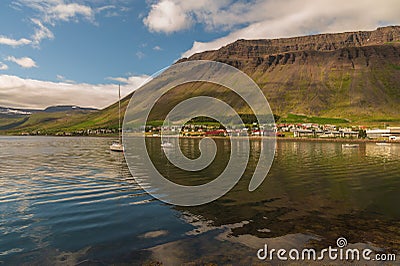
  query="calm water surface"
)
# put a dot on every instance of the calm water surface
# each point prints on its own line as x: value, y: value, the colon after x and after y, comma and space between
x: 70, y: 201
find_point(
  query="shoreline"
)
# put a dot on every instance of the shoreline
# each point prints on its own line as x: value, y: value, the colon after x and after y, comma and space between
x: 338, y: 140
x: 278, y: 139
x: 295, y: 139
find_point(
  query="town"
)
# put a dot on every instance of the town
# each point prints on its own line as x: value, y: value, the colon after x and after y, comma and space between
x: 281, y: 130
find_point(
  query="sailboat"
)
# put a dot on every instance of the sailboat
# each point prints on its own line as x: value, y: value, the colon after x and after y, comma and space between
x: 348, y: 145
x: 167, y: 143
x: 117, y: 146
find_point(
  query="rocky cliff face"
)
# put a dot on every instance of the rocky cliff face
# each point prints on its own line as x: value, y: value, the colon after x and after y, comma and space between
x: 323, y: 43
x: 352, y: 75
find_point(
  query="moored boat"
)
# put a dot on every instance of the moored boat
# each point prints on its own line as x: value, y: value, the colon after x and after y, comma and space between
x: 167, y: 144
x: 349, y: 145
x: 117, y: 146
x: 383, y: 144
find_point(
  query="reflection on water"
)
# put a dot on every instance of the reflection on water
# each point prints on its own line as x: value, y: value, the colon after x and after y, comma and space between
x: 389, y: 150
x: 70, y: 200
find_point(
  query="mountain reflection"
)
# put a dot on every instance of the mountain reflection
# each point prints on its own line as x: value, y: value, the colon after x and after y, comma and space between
x: 70, y: 200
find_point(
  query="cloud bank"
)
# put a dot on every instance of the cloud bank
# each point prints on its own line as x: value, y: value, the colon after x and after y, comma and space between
x: 30, y: 93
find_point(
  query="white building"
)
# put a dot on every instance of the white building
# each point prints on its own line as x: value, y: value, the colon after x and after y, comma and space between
x: 377, y: 133
x: 391, y: 132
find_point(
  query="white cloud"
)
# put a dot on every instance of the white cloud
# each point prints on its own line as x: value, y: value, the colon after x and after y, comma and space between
x: 3, y: 66
x: 24, y: 62
x: 64, y: 79
x: 12, y: 42
x: 41, y: 32
x: 132, y: 81
x: 108, y: 10
x: 260, y: 19
x: 167, y: 16
x: 175, y: 15
x: 29, y: 93
x: 67, y: 11
x: 103, y: 8
x: 140, y: 55
x: 51, y: 11
x: 157, y: 48
x: 47, y: 13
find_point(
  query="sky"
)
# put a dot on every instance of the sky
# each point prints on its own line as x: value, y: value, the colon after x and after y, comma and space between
x: 61, y: 52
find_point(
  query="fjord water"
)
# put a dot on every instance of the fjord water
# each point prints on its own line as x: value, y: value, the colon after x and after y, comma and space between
x: 70, y: 200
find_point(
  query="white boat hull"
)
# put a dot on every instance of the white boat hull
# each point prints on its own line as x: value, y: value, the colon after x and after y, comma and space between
x: 167, y: 145
x: 117, y: 147
x: 350, y: 145
x: 383, y: 144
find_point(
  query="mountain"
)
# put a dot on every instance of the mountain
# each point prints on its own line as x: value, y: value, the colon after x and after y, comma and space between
x: 67, y: 108
x: 15, y: 111
x: 353, y: 76
x: 50, y: 109
x: 53, y: 117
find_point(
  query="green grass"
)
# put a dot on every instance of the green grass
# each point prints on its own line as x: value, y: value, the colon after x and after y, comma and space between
x: 293, y: 118
x: 396, y: 120
x: 11, y: 122
x: 393, y: 42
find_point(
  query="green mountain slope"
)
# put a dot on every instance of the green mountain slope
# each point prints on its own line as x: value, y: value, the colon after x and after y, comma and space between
x: 346, y: 75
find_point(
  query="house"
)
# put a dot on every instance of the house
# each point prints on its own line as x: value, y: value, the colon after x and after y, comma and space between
x: 303, y: 133
x: 394, y: 133
x: 394, y: 130
x: 378, y: 133
x: 349, y: 134
x: 326, y: 133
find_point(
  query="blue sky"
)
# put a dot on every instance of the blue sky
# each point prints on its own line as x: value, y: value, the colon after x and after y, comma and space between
x: 115, y: 44
x: 76, y: 52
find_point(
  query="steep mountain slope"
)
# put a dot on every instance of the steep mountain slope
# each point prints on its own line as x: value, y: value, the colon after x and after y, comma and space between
x: 352, y: 75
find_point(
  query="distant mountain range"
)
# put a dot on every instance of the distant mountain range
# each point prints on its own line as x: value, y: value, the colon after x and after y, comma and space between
x: 50, y: 109
x: 352, y: 75
x: 67, y: 108
x: 16, y: 119
x: 13, y: 111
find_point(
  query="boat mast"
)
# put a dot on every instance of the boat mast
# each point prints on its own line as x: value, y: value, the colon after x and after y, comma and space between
x: 119, y: 114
